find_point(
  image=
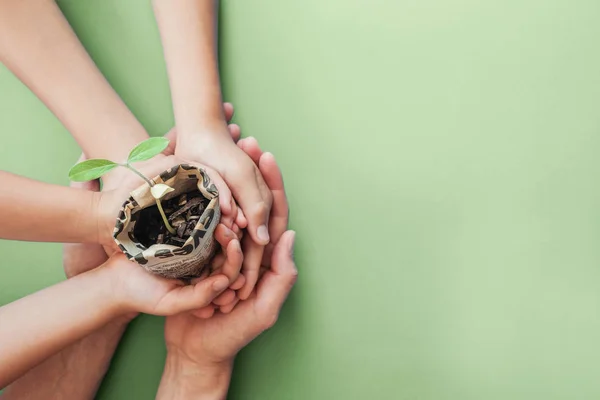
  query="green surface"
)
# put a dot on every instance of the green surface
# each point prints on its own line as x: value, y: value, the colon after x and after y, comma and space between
x: 441, y: 163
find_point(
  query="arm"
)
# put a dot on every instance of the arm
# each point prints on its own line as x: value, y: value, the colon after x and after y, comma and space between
x: 188, y: 30
x: 38, y: 326
x: 37, y: 211
x: 38, y: 45
x: 189, y: 34
x: 75, y: 372
x: 184, y: 380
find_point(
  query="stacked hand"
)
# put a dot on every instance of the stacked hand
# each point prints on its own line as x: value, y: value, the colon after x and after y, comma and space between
x: 203, y: 344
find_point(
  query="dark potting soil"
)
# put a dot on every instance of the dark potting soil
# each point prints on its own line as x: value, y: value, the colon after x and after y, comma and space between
x: 183, y: 213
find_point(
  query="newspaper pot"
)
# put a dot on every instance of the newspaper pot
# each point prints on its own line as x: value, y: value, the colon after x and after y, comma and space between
x: 190, y: 258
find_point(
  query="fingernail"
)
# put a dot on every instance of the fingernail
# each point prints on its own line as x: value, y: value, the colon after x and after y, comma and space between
x: 220, y: 285
x: 263, y: 233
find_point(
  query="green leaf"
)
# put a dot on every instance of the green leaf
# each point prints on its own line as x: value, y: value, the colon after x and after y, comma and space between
x: 90, y: 169
x: 148, y: 149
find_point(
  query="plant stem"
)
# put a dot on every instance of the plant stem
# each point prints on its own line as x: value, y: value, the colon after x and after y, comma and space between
x: 160, y: 209
x: 164, y: 217
x: 138, y: 173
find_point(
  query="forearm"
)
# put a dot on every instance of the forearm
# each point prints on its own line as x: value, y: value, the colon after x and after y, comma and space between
x: 38, y: 326
x: 39, y: 46
x: 185, y: 380
x: 38, y: 211
x: 188, y: 30
x: 75, y: 372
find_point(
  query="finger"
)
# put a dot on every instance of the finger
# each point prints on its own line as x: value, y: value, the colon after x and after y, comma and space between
x: 204, y: 312
x: 226, y: 309
x: 225, y: 197
x: 224, y: 235
x: 234, y: 131
x: 191, y: 297
x: 277, y: 282
x: 225, y: 298
x: 251, y: 147
x: 256, y: 212
x: 238, y: 283
x: 241, y: 220
x: 228, y: 109
x: 253, y: 254
x: 172, y: 137
x: 278, y: 222
x: 237, y: 230
x: 233, y: 260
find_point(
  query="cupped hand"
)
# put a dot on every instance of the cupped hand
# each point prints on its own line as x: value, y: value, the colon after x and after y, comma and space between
x: 136, y: 290
x: 120, y: 182
x: 215, y: 148
x: 216, y: 340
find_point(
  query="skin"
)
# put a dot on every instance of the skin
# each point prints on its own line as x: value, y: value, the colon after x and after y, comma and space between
x: 77, y: 370
x: 201, y: 351
x: 35, y: 33
x: 115, y: 289
x: 201, y: 128
x: 202, y: 345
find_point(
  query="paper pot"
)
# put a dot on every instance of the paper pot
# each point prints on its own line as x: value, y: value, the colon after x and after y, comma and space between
x: 189, y: 259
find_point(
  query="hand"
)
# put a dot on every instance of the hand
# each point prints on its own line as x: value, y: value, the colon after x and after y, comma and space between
x: 133, y: 289
x: 119, y: 183
x: 201, y: 351
x: 218, y: 338
x: 277, y: 223
x: 82, y: 257
x: 215, y: 149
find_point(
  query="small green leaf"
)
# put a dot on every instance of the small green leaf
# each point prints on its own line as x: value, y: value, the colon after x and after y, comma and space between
x: 160, y: 190
x: 90, y: 169
x: 148, y: 149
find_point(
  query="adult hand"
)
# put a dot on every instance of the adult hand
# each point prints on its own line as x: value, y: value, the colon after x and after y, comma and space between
x: 226, y: 332
x: 201, y: 351
x: 215, y: 148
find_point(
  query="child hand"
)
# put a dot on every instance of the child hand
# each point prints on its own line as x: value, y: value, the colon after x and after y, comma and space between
x: 132, y: 289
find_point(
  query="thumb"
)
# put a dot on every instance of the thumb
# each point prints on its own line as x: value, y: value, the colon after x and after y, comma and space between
x: 276, y: 283
x: 172, y: 137
x: 191, y: 297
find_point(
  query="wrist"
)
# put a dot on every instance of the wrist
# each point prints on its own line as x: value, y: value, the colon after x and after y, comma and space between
x: 101, y: 214
x: 199, y: 135
x: 185, y: 378
x: 119, y: 303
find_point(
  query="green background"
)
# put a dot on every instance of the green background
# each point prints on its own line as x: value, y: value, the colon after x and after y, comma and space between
x: 441, y: 162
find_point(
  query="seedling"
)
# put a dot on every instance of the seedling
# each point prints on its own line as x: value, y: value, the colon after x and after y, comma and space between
x: 93, y: 169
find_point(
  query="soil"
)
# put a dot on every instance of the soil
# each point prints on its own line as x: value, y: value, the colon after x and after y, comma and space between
x: 183, y: 213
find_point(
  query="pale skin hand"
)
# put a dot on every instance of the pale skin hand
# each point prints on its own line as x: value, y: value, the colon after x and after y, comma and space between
x: 202, y: 346
x: 115, y: 289
x: 77, y: 370
x: 201, y: 351
x: 278, y: 221
x: 189, y: 34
